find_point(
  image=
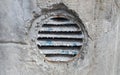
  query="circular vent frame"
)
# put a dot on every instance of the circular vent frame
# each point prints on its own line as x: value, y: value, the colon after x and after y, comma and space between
x: 59, y: 36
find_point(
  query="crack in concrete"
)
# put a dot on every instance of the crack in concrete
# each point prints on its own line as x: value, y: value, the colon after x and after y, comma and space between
x: 15, y: 42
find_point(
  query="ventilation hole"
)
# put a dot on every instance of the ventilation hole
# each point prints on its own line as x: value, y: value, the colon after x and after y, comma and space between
x: 60, y: 25
x: 60, y: 41
x: 59, y: 47
x: 60, y: 32
x: 59, y: 19
x: 60, y: 55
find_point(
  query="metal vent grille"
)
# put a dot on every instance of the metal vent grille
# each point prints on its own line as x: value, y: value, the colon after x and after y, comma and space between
x: 60, y: 39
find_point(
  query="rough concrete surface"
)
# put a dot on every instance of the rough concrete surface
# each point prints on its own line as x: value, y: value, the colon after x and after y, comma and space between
x: 101, y: 19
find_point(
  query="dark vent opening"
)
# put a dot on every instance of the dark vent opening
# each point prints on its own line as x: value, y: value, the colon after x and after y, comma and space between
x: 60, y: 25
x: 60, y: 55
x: 59, y: 39
x: 60, y: 32
x: 59, y: 19
x: 58, y: 47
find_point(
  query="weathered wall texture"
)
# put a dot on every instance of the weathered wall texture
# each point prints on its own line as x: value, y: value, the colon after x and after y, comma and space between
x: 101, y: 19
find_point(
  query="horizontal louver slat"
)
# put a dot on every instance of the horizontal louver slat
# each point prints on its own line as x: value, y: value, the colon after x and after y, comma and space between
x: 58, y: 43
x: 69, y: 52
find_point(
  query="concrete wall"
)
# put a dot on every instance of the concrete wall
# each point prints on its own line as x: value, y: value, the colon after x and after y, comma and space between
x: 101, y: 19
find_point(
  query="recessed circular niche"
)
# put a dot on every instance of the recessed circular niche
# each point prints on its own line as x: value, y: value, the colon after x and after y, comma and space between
x: 59, y: 36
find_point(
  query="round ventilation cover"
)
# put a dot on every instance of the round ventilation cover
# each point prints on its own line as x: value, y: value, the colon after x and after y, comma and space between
x: 59, y: 36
